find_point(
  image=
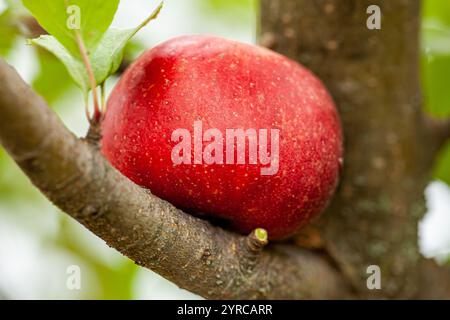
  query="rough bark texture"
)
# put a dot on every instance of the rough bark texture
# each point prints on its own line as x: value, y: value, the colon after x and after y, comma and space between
x: 373, y: 77
x: 372, y: 220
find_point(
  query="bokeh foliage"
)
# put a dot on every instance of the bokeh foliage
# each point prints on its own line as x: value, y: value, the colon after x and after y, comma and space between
x: 436, y: 71
x: 436, y: 57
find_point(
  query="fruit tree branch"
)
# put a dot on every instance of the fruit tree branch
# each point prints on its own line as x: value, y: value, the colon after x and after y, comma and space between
x: 373, y: 75
x: 188, y: 251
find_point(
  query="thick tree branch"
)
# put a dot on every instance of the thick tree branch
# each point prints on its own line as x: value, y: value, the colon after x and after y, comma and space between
x: 188, y: 251
x: 373, y: 77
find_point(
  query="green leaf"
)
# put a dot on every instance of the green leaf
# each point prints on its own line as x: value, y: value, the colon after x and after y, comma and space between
x: 108, y: 57
x: 105, y: 60
x: 109, y: 54
x: 133, y: 50
x: 59, y: 20
x: 74, y: 66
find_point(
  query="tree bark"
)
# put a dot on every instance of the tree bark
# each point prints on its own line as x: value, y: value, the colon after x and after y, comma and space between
x: 373, y: 77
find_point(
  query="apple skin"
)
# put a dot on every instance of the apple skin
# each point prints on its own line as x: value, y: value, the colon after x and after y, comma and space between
x: 226, y: 85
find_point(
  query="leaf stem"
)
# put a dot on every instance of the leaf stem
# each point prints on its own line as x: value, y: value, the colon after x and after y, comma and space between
x: 93, y: 83
x: 102, y: 97
x: 153, y: 16
x: 84, y: 55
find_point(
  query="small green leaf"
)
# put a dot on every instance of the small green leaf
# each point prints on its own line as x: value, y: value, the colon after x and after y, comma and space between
x: 105, y: 60
x: 60, y: 18
x: 133, y: 50
x: 108, y: 57
x: 109, y: 54
x: 75, y: 67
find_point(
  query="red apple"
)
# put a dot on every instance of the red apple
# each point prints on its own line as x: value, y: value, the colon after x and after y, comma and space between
x: 166, y: 129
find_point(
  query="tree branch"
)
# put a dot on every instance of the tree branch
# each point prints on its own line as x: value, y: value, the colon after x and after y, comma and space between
x: 373, y: 77
x: 192, y: 253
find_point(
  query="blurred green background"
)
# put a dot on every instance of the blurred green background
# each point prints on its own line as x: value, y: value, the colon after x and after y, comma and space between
x: 38, y: 243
